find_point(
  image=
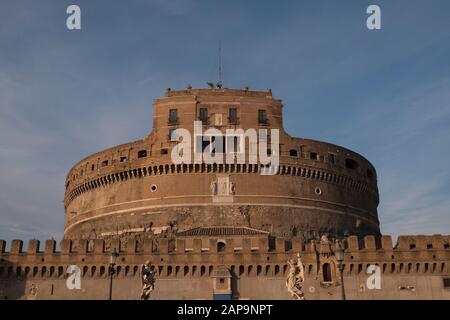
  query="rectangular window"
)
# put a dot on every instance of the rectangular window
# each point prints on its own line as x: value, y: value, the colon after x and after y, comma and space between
x: 172, y: 135
x: 234, y: 144
x: 313, y: 156
x: 173, y: 116
x: 218, y: 144
x: 203, y: 115
x: 123, y: 159
x: 332, y: 158
x: 205, y: 144
x: 262, y: 117
x: 142, y: 153
x: 446, y: 283
x: 232, y: 116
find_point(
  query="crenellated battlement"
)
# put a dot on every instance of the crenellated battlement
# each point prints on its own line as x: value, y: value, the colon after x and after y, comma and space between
x: 231, y: 245
x: 257, y: 258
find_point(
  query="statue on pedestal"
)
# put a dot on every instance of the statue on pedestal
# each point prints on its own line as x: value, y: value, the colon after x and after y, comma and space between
x: 148, y: 280
x: 295, y: 278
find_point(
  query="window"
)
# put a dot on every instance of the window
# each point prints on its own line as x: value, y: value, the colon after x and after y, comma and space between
x: 313, y: 156
x: 205, y: 143
x: 233, y: 144
x: 105, y: 163
x: 232, y: 116
x: 164, y: 151
x: 92, y: 167
x: 173, y: 116
x: 332, y: 158
x: 203, y: 115
x: 217, y: 144
x: 262, y: 117
x: 326, y: 270
x: 351, y: 164
x: 123, y: 158
x: 293, y: 153
x: 142, y: 154
x: 446, y: 283
x: 220, y: 246
x: 172, y: 135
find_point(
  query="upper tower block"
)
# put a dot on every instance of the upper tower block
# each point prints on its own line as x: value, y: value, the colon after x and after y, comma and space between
x: 218, y: 108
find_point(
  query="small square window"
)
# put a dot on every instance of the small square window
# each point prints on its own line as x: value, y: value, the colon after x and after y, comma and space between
x: 313, y: 156
x: 164, y: 151
x: 142, y: 153
x: 123, y: 159
x: 262, y: 117
x: 446, y: 283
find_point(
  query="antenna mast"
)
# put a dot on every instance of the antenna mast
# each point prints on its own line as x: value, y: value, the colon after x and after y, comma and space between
x: 220, y: 64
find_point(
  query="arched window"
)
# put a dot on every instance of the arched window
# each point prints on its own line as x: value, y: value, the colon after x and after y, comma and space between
x: 326, y: 270
x: 60, y: 271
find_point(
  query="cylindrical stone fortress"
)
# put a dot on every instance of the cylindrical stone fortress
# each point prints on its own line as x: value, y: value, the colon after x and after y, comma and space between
x: 135, y: 188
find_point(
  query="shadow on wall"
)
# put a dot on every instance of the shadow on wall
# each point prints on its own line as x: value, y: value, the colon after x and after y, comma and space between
x: 12, y: 281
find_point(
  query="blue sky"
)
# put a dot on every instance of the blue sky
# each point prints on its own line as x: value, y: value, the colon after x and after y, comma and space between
x: 66, y: 94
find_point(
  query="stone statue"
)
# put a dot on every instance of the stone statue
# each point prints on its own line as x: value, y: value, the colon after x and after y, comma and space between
x: 214, y: 188
x: 324, y: 239
x: 295, y: 278
x: 148, y: 280
x: 232, y: 187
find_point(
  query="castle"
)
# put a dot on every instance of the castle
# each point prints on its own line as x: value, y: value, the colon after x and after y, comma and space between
x: 225, y: 229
